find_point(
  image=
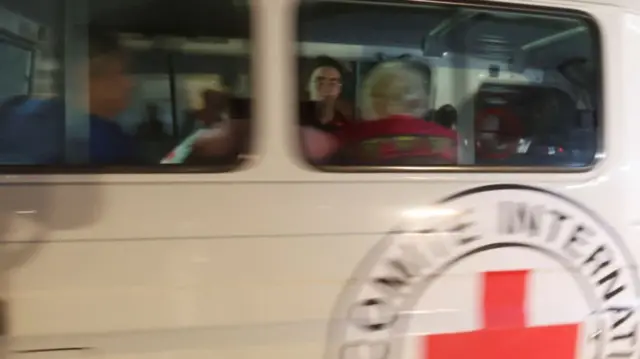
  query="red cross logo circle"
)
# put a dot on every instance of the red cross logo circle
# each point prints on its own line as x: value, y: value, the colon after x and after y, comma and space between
x: 495, y: 272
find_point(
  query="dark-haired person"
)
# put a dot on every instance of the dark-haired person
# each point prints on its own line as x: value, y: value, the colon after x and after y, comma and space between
x: 328, y: 112
x: 33, y: 130
x: 222, y: 134
x: 109, y: 94
x: 447, y: 116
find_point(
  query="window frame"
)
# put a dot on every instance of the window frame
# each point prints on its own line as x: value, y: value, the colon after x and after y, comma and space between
x: 595, y: 33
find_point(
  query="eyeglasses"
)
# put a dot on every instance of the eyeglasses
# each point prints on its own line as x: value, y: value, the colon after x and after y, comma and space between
x: 327, y: 81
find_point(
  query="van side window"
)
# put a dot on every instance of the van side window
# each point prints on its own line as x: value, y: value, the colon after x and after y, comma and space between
x: 437, y: 86
x: 124, y: 85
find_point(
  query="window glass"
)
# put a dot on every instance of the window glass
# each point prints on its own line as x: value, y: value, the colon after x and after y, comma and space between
x: 16, y: 70
x: 406, y: 84
x: 124, y: 84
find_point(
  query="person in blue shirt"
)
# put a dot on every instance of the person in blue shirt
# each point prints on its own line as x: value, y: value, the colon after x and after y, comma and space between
x: 32, y: 130
x: 110, y: 89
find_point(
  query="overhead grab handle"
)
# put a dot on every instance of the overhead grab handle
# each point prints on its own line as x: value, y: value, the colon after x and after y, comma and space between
x: 554, y: 38
x: 432, y: 44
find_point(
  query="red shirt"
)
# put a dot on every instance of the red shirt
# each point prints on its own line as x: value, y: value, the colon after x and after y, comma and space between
x: 396, y: 138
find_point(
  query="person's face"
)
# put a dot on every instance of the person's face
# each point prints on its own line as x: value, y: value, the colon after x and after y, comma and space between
x: 109, y: 85
x: 327, y: 83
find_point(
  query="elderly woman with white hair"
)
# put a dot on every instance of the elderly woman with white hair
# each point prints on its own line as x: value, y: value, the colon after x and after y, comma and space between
x: 394, y: 88
x: 393, y: 131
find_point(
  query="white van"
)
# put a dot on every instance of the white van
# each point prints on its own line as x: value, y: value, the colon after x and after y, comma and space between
x: 530, y: 253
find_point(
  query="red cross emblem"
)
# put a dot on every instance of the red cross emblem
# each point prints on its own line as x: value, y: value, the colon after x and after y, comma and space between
x: 504, y: 334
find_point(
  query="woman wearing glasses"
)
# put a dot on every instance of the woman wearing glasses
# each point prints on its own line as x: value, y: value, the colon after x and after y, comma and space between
x: 326, y: 110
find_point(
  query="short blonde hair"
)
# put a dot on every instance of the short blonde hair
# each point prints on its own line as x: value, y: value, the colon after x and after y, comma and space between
x: 394, y: 88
